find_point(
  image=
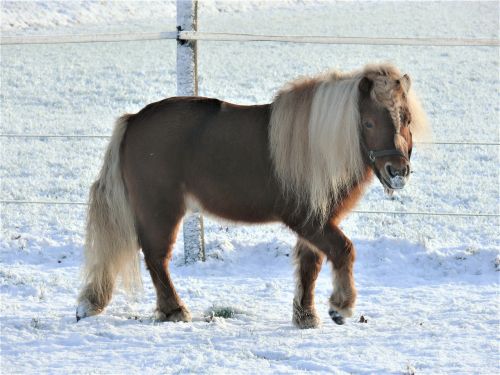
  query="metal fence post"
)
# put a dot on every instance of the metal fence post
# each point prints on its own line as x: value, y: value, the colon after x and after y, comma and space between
x: 187, y: 85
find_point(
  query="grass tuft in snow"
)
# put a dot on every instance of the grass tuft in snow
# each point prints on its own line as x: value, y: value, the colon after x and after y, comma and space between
x: 225, y: 312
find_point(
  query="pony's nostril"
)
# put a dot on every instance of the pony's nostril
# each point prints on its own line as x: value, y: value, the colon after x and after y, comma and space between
x: 390, y: 171
x: 407, y: 171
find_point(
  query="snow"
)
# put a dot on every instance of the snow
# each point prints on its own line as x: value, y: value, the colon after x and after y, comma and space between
x: 428, y: 285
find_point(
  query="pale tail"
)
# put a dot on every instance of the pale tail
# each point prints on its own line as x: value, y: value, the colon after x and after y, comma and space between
x: 111, y: 245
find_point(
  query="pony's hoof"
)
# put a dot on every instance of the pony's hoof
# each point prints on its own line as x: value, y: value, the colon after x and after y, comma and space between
x: 306, y: 321
x: 336, y: 317
x: 304, y: 318
x: 86, y: 309
x: 181, y: 314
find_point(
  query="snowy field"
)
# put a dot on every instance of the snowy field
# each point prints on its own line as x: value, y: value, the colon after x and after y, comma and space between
x: 428, y: 285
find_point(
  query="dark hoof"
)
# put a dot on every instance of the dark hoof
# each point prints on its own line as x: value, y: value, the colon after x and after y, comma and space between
x: 336, y: 317
x: 86, y: 309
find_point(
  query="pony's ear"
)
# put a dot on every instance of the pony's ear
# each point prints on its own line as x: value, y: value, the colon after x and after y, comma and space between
x: 405, y: 82
x: 365, y: 85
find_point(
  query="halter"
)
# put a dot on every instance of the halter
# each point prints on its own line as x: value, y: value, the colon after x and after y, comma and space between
x: 373, y: 155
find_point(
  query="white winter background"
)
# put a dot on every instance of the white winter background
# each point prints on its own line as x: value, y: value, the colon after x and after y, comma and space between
x: 428, y: 285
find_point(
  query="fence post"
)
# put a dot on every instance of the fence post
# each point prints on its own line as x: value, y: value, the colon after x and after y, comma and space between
x: 187, y: 85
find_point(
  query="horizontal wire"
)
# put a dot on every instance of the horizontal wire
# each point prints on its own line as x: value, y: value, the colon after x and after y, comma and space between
x: 318, y: 39
x: 97, y: 136
x: 241, y: 37
x: 374, y: 212
x: 83, y: 136
x: 459, y: 143
x: 424, y: 213
x: 43, y: 202
x: 86, y: 38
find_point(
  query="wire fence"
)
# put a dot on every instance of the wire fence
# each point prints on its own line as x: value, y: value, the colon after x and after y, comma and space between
x: 98, y: 136
x: 369, y: 212
x: 240, y: 37
x: 185, y: 36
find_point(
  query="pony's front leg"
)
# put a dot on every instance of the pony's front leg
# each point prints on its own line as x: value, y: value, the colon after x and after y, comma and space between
x: 308, y: 263
x: 339, y: 250
x: 343, y: 298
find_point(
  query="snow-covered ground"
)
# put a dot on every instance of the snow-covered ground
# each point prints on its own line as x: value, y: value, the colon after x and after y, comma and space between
x: 428, y: 286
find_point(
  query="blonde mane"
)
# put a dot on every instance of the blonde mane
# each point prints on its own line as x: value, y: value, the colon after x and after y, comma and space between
x: 315, y: 137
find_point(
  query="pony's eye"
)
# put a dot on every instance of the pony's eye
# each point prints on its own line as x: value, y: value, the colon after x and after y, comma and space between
x: 368, y: 124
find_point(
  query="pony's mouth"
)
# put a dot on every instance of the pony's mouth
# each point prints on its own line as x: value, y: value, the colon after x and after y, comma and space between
x: 391, y: 183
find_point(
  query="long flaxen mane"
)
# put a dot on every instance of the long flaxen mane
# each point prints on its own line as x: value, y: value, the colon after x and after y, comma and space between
x: 315, y: 136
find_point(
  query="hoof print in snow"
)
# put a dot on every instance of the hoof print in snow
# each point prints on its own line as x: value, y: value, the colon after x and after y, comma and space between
x: 362, y: 319
x: 336, y: 317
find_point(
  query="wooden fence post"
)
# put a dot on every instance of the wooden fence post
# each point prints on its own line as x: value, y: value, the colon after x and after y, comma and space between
x: 187, y: 85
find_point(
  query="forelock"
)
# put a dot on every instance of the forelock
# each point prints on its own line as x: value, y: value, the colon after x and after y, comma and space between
x: 387, y: 90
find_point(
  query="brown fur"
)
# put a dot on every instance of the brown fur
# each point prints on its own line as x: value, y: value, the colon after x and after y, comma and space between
x: 233, y: 159
x: 308, y: 262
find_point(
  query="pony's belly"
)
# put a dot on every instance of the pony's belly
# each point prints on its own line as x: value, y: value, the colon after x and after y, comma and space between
x: 228, y: 209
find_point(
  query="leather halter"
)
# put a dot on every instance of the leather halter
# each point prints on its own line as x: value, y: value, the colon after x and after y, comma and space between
x: 373, y: 155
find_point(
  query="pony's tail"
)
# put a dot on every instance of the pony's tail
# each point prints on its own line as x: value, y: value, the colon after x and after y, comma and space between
x: 111, y: 244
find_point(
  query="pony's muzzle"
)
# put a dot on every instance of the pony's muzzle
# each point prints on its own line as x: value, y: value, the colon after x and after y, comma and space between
x: 402, y: 171
x: 397, y: 175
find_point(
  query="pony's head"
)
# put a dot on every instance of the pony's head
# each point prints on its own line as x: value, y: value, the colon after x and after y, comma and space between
x: 389, y: 114
x: 328, y: 131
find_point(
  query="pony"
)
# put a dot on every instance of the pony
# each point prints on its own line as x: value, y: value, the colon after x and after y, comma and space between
x: 304, y: 160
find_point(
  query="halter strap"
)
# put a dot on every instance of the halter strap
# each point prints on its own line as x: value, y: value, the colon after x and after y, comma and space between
x: 372, y: 155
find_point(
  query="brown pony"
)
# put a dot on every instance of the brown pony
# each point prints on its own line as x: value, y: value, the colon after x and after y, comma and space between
x: 303, y: 160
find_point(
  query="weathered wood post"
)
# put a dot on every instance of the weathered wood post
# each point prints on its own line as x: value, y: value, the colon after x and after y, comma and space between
x: 187, y: 85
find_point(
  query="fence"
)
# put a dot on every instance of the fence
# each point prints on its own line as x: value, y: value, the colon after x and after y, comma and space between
x: 187, y: 85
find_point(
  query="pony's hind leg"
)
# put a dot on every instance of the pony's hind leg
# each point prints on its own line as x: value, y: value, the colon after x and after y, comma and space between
x: 308, y: 263
x: 157, y: 237
x: 97, y: 293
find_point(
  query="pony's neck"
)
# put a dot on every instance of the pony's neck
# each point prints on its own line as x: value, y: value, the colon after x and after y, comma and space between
x: 352, y: 196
